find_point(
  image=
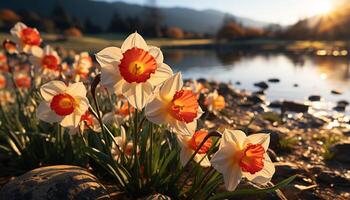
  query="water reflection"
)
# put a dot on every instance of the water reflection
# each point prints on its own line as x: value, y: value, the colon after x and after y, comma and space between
x: 315, y: 75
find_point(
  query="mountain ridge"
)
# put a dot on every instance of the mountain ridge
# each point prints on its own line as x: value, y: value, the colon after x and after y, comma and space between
x: 199, y: 21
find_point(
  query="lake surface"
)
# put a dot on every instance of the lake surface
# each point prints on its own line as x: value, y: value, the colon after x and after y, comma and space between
x: 314, y: 75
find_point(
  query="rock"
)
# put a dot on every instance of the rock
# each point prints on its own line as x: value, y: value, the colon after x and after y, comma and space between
x: 340, y: 108
x: 287, y: 169
x: 202, y: 80
x: 340, y: 152
x: 255, y: 99
x: 224, y: 89
x: 262, y: 85
x: 329, y: 177
x: 275, y: 104
x: 260, y: 92
x: 158, y: 197
x: 343, y: 102
x: 275, y: 137
x: 272, y: 117
x: 314, y: 98
x: 336, y: 92
x: 273, y: 80
x: 294, y: 107
x: 55, y: 183
x: 295, y: 85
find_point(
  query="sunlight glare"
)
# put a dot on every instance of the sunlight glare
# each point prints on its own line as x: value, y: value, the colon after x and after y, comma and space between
x: 320, y: 7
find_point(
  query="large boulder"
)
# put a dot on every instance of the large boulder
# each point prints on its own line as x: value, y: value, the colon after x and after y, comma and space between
x: 54, y: 183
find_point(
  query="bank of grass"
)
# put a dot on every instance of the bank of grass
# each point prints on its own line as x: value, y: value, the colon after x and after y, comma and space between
x: 94, y: 43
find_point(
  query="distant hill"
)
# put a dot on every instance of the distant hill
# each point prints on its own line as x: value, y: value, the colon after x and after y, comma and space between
x: 99, y: 12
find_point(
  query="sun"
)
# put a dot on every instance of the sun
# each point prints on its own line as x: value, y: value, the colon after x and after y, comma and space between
x: 321, y: 7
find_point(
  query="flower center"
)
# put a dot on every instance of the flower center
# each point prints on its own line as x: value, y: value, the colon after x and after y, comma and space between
x: 197, y: 139
x: 63, y: 104
x: 50, y: 62
x: 30, y: 36
x: 137, y: 65
x: 251, y: 159
x: 184, y: 106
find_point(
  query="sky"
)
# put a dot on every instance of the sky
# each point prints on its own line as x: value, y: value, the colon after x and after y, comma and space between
x: 283, y: 12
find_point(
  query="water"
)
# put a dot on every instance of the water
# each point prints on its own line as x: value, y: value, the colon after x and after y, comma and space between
x: 315, y: 75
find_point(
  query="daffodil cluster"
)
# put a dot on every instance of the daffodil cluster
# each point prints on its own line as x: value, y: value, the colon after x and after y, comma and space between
x: 137, y: 108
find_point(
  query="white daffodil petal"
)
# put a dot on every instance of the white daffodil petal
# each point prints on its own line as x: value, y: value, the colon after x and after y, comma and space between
x: 15, y: 31
x: 37, y: 51
x: 264, y: 175
x: 170, y: 86
x: 110, y: 76
x: 45, y: 113
x: 138, y: 94
x: 154, y: 112
x: 221, y: 159
x: 52, y: 88
x: 109, y: 55
x: 83, y: 105
x: 180, y: 127
x: 236, y: 136
x: 203, y: 159
x: 134, y: 40
x: 185, y: 155
x: 108, y: 118
x: 259, y: 138
x: 71, y: 120
x: 76, y: 90
x: 162, y: 73
x: 232, y: 178
x: 156, y: 53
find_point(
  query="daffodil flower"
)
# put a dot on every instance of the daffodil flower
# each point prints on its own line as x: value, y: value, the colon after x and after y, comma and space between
x: 121, y: 113
x: 243, y: 156
x: 86, y: 120
x: 2, y: 81
x: 63, y: 104
x: 3, y: 62
x: 215, y: 102
x: 189, y: 144
x: 82, y: 65
x: 173, y: 106
x: 125, y: 146
x: 133, y: 70
x: 26, y: 37
x: 47, y: 59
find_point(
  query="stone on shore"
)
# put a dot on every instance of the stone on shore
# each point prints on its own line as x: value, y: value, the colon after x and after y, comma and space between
x: 314, y: 98
x: 55, y: 183
x: 262, y: 85
x: 273, y: 80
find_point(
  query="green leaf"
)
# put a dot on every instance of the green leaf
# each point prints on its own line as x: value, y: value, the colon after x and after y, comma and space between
x: 242, y: 192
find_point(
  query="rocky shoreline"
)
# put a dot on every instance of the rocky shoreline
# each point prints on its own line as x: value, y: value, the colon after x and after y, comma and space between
x: 314, y: 147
